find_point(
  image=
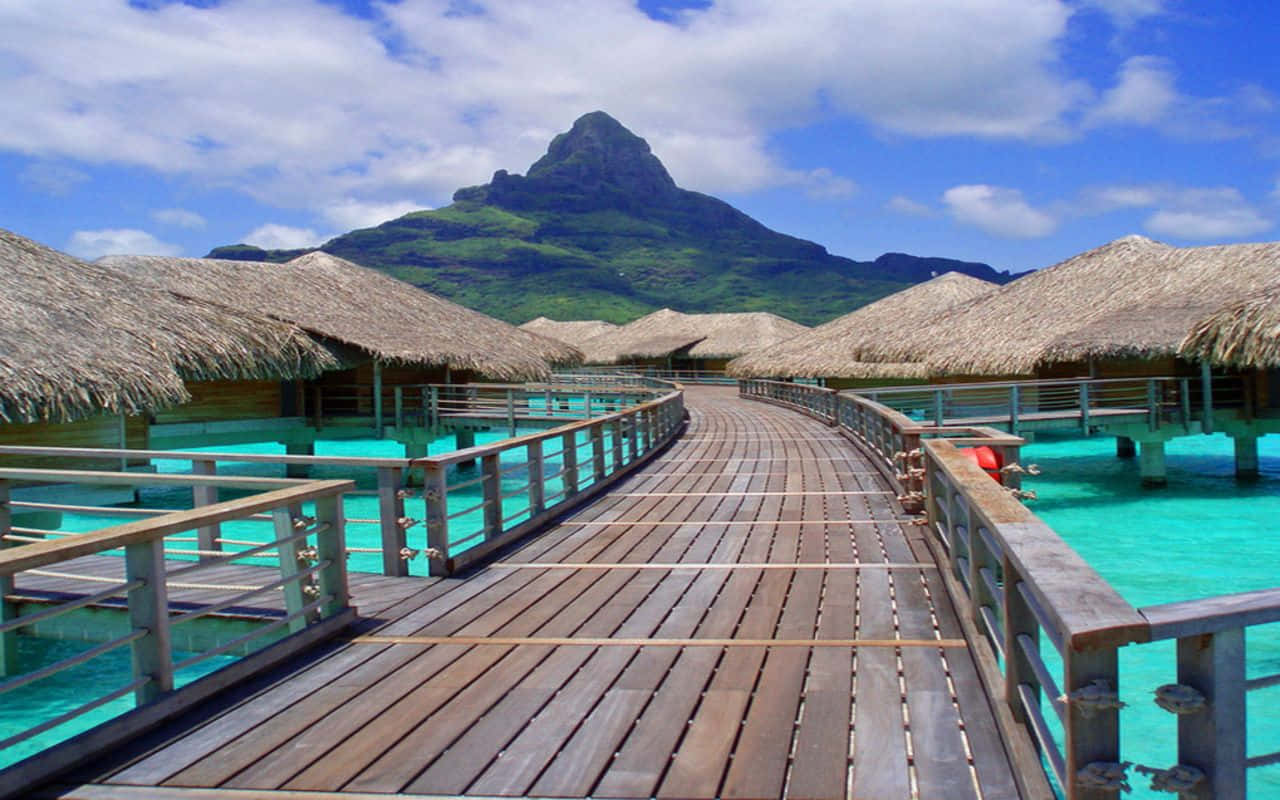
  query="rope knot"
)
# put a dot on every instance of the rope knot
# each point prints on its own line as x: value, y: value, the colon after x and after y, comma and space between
x: 1179, y: 779
x: 1179, y: 699
x: 407, y: 553
x: 1106, y: 776
x: 1097, y: 696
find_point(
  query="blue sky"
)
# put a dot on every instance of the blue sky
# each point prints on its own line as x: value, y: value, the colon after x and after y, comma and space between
x: 1016, y: 132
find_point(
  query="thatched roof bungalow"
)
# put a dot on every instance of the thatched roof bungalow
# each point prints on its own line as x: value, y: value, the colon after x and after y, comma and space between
x: 1128, y: 303
x: 389, y: 320
x: 77, y: 339
x: 693, y: 341
x: 829, y: 350
x: 571, y: 332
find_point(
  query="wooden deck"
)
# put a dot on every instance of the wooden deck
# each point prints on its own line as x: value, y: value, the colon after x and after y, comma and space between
x: 746, y: 617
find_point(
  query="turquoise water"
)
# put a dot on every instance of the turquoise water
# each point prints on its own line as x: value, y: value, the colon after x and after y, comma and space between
x: 65, y: 691
x: 1203, y: 535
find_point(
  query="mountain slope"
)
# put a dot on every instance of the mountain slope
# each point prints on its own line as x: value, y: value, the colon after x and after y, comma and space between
x: 598, y: 229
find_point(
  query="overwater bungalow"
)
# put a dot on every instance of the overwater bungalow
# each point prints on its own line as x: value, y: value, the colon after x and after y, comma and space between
x: 387, y: 333
x: 1120, y: 311
x: 830, y: 351
x: 671, y: 340
x: 89, y: 350
x: 572, y: 332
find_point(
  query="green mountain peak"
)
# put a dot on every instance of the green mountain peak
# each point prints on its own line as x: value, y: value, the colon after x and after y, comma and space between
x: 597, y: 229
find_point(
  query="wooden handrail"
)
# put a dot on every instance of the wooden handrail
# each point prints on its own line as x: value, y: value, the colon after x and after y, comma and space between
x: 1084, y: 609
x: 1212, y: 614
x: 100, y: 478
x: 38, y: 554
x: 178, y: 455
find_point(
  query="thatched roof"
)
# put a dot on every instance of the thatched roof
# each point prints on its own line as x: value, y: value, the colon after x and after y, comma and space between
x: 79, y: 338
x: 666, y: 332
x: 389, y: 319
x: 571, y: 332
x: 832, y: 349
x: 1244, y: 333
x: 1128, y: 297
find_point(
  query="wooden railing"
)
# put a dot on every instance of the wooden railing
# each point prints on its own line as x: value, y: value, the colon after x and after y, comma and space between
x: 526, y: 481
x: 428, y: 405
x: 1082, y: 403
x: 307, y: 597
x: 1018, y: 585
x: 392, y: 477
x: 397, y: 479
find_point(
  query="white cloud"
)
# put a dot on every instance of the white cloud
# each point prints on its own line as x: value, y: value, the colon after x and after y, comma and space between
x: 1207, y: 215
x: 1104, y: 199
x: 305, y: 106
x: 901, y: 204
x: 118, y: 241
x: 823, y: 184
x: 178, y: 217
x: 350, y: 214
x: 1144, y: 94
x: 997, y: 210
x: 56, y: 180
x: 1127, y: 12
x: 283, y: 237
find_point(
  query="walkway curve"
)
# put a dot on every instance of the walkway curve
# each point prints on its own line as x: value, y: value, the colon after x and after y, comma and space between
x: 660, y: 642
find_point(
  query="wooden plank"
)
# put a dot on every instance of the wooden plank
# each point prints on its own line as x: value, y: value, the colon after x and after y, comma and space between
x: 880, y: 751
x: 821, y: 763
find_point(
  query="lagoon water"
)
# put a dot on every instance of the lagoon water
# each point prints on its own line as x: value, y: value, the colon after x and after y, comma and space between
x: 1202, y: 535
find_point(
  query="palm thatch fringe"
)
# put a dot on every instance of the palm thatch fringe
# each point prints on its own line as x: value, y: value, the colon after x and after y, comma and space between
x: 666, y: 332
x: 79, y: 338
x: 831, y: 350
x: 388, y: 319
x: 1244, y: 333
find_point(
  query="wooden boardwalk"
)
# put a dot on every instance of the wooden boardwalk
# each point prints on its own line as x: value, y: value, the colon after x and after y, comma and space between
x: 746, y: 617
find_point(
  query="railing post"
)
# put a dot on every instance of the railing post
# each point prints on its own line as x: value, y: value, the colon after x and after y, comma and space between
x: 632, y: 422
x: 586, y: 405
x: 1184, y: 402
x: 537, y: 493
x: 1153, y: 406
x: 1019, y: 621
x: 149, y: 611
x: 491, y: 471
x: 1084, y: 408
x: 1213, y: 739
x: 1206, y: 393
x: 1015, y: 401
x: 511, y: 412
x: 597, y: 451
x: 377, y: 399
x: 938, y: 419
x: 8, y: 610
x: 390, y: 512
x: 570, y: 458
x: 435, y: 495
x: 331, y: 549
x: 434, y: 407
x: 206, y: 537
x: 287, y: 553
x: 615, y: 429
x: 1092, y: 734
x: 399, y: 402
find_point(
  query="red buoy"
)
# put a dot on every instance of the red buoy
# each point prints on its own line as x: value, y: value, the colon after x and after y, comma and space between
x: 988, y: 460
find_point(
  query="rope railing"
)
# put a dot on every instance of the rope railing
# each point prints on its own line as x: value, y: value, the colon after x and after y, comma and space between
x: 308, y: 592
x: 544, y: 474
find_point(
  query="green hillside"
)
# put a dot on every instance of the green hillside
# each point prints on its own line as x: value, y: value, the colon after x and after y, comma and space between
x: 598, y: 229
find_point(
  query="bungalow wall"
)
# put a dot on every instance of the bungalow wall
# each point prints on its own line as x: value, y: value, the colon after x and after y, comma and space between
x: 101, y: 431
